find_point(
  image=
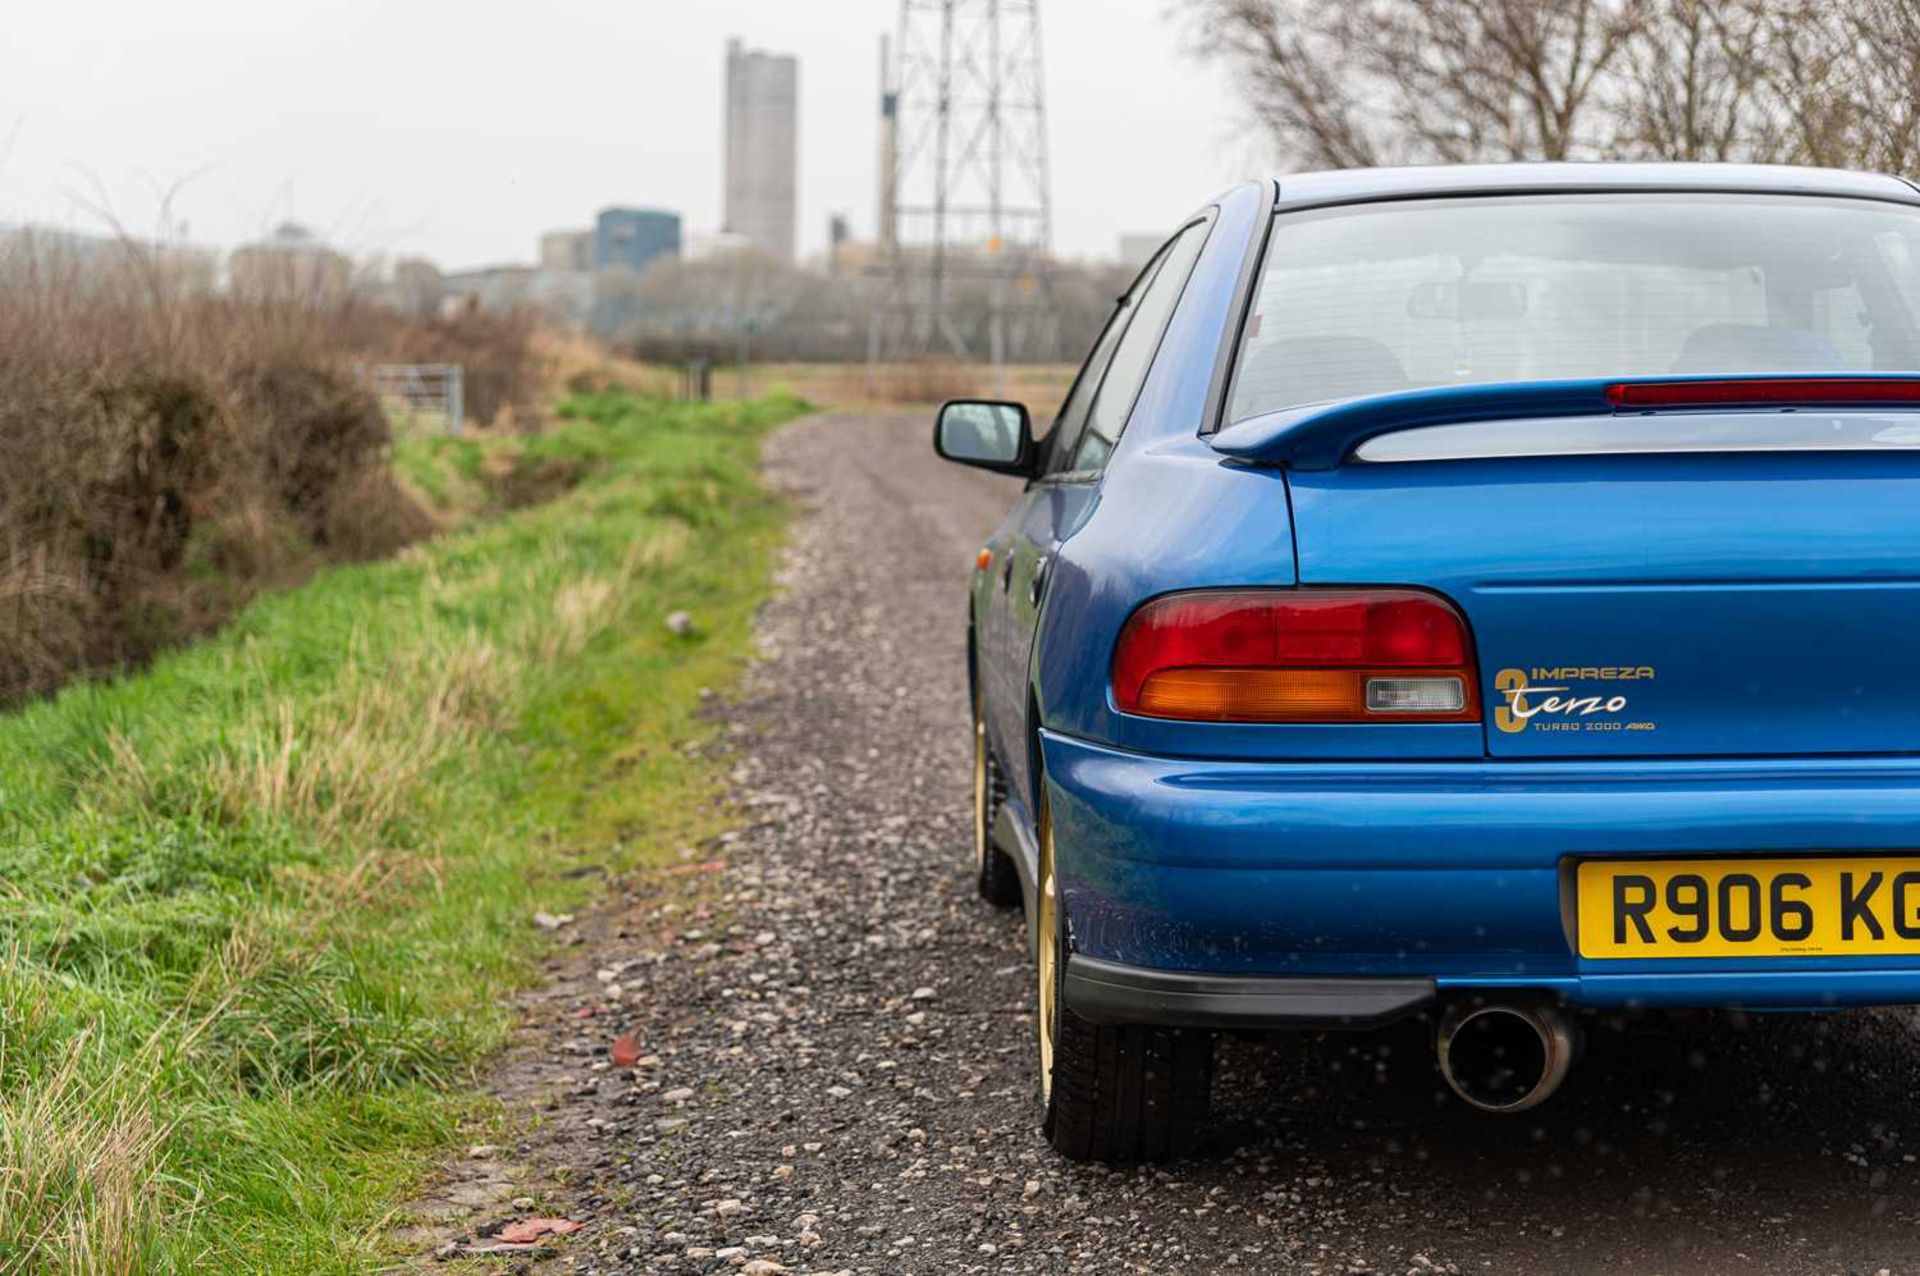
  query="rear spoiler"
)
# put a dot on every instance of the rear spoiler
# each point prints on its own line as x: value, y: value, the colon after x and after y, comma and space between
x: 1319, y: 436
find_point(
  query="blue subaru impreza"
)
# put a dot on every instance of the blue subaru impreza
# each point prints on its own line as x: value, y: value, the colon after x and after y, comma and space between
x: 1489, y: 592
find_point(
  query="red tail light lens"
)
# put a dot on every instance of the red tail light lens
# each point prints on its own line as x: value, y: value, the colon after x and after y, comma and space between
x: 1297, y: 655
x: 1765, y: 392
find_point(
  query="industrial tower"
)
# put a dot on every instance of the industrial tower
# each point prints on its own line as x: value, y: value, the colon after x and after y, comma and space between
x: 966, y: 213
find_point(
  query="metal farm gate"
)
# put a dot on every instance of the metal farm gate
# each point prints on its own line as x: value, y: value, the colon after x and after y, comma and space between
x: 422, y: 393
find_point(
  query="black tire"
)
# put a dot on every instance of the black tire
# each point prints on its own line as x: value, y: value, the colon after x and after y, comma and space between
x: 1118, y: 1093
x: 999, y: 880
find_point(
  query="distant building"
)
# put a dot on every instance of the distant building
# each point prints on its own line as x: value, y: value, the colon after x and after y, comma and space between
x: 290, y: 264
x: 562, y: 294
x: 721, y: 243
x: 108, y: 261
x: 49, y: 248
x: 418, y: 287
x: 186, y: 269
x: 566, y: 250
x: 763, y: 152
x: 488, y: 288
x: 633, y: 237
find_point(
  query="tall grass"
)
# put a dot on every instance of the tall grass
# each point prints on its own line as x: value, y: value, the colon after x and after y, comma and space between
x: 259, y: 904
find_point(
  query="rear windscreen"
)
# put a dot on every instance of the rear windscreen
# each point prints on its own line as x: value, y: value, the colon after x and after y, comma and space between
x: 1372, y: 298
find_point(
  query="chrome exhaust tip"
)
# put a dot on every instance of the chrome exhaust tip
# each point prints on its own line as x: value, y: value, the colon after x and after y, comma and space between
x: 1505, y: 1056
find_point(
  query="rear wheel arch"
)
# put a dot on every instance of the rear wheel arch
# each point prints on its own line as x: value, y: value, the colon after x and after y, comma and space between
x: 1109, y: 1092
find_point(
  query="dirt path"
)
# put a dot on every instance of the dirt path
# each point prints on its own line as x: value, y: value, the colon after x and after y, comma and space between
x: 836, y: 1071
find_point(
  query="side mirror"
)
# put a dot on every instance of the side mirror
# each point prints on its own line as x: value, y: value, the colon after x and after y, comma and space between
x: 986, y: 433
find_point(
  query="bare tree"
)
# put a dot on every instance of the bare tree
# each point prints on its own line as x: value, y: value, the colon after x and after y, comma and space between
x: 1848, y: 81
x: 1814, y: 83
x: 1498, y: 79
x: 1352, y: 82
x: 1374, y: 81
x: 1299, y: 79
x: 1696, y: 83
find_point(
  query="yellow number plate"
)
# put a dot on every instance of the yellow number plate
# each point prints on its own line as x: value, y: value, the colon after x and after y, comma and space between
x: 1749, y: 908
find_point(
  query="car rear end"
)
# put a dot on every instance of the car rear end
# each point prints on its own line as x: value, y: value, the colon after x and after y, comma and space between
x: 1591, y: 681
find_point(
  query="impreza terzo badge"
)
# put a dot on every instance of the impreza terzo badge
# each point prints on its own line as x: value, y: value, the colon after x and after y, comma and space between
x: 1566, y: 698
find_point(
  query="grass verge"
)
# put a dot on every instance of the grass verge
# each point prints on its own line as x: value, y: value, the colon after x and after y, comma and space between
x: 259, y: 905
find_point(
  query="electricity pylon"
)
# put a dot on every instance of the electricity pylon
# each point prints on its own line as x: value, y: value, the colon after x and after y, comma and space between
x: 966, y: 216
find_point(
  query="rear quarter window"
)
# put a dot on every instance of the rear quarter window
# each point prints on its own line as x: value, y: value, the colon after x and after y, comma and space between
x: 1134, y: 355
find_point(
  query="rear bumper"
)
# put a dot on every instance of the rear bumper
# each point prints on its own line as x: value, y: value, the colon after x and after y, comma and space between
x: 1243, y: 893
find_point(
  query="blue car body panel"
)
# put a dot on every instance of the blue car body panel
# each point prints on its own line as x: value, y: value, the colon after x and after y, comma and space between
x: 1772, y: 598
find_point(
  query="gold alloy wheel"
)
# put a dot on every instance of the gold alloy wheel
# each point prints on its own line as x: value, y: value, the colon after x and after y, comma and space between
x: 1047, y: 941
x: 980, y: 830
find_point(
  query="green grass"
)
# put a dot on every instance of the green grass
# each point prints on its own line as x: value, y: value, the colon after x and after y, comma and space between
x: 260, y: 906
x: 457, y: 479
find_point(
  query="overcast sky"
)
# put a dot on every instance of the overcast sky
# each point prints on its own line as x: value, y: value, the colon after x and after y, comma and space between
x: 462, y: 129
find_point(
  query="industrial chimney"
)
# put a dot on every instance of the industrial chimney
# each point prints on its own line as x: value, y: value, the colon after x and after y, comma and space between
x: 889, y: 154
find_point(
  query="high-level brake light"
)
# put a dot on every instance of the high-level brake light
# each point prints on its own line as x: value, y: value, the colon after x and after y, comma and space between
x: 1813, y: 392
x: 1297, y: 655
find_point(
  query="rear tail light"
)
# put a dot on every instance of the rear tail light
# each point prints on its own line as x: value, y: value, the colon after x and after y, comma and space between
x: 1297, y: 655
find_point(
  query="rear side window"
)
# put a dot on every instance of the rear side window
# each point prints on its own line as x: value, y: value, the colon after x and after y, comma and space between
x: 1152, y: 308
x: 1368, y: 299
x: 1072, y: 421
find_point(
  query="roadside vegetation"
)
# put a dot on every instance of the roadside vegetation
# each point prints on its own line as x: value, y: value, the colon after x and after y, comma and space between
x: 260, y: 903
x: 169, y: 454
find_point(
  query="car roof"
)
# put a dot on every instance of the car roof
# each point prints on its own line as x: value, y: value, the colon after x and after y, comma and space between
x: 1344, y: 185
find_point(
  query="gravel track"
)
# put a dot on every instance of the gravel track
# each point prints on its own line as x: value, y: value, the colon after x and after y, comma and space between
x: 837, y: 1070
